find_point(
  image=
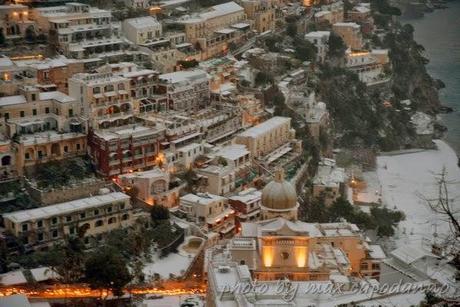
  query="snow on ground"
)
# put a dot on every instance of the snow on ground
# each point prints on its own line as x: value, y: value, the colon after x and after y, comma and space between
x: 405, y: 177
x: 371, y: 193
x: 173, y: 263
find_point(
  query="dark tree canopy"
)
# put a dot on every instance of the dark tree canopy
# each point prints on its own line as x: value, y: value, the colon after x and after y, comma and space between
x: 106, y: 269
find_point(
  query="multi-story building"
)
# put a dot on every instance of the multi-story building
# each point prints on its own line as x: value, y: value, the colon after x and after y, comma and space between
x: 350, y: 32
x: 142, y: 82
x: 186, y: 90
x: 142, y: 30
x: 53, y: 74
x: 236, y: 155
x: 218, y: 179
x: 269, y: 140
x: 219, y: 125
x: 42, y: 227
x: 209, y: 211
x: 154, y: 187
x: 360, y: 13
x: 262, y: 12
x: 105, y: 98
x: 321, y: 41
x: 79, y: 30
x: 369, y: 66
x: 214, y: 30
x: 15, y: 21
x: 43, y: 125
x: 246, y: 205
x: 186, y: 155
x: 330, y: 13
x: 124, y: 149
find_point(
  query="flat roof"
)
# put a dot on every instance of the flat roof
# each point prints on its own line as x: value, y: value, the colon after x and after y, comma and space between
x: 266, y: 126
x: 201, y: 198
x: 65, y: 208
x: 143, y: 22
x: 233, y: 152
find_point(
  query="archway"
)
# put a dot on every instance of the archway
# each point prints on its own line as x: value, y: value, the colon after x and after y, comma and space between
x: 6, y: 160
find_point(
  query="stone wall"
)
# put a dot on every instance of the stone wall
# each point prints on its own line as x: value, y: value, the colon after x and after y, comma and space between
x: 82, y: 189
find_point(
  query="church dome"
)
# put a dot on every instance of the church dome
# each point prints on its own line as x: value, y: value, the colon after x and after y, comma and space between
x: 279, y: 194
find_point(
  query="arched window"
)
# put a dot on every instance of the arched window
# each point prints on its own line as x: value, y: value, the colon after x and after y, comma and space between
x: 112, y: 220
x: 99, y: 223
x: 6, y: 160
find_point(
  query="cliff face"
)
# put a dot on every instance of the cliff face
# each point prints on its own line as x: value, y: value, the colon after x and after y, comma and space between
x: 410, y: 78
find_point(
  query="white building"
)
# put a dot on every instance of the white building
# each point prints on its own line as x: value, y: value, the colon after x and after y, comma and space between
x: 186, y: 90
x: 79, y: 30
x: 186, y: 155
x: 153, y: 186
x: 219, y: 179
x: 320, y: 39
x: 142, y: 30
x: 236, y: 155
x: 104, y: 97
x: 209, y: 211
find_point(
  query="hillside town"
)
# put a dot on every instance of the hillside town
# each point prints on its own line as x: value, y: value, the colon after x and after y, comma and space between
x: 224, y: 154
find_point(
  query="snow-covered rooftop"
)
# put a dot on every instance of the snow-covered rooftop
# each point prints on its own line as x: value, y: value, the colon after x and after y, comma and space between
x: 201, y: 198
x: 65, y: 208
x: 143, y: 22
x: 265, y: 127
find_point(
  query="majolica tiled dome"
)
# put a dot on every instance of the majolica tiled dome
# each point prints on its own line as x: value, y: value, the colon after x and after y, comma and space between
x: 279, y: 194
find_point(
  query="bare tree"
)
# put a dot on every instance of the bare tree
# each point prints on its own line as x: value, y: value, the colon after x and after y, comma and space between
x: 444, y: 205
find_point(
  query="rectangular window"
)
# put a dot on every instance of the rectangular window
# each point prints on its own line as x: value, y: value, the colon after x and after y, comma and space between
x: 96, y: 212
x: 68, y: 218
x: 25, y: 227
x: 54, y: 220
x: 22, y: 114
x: 78, y: 146
x: 83, y: 215
x: 66, y: 148
x: 47, y: 110
x: 34, y: 111
x: 40, y: 237
x: 40, y: 224
x: 70, y: 112
x: 54, y: 233
x: 7, y: 116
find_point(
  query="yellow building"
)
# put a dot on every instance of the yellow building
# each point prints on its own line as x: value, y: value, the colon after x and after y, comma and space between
x: 350, y: 32
x: 265, y: 138
x: 44, y: 126
x: 261, y: 12
x: 42, y: 227
x: 212, y: 31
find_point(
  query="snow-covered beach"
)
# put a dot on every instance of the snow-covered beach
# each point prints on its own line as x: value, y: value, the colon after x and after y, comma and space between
x: 406, y: 179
